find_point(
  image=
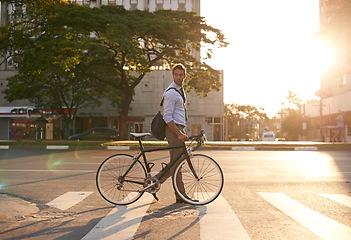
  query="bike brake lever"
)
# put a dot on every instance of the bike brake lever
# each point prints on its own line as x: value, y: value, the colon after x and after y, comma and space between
x: 204, y: 138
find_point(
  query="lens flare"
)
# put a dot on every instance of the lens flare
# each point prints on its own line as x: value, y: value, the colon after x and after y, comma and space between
x: 76, y: 154
x: 54, y: 163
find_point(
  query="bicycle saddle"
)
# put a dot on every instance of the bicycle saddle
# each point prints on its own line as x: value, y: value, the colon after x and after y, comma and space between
x: 137, y: 135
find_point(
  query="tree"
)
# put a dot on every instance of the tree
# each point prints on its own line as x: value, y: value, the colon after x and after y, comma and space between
x: 128, y: 43
x: 292, y: 122
x: 237, y: 114
x: 116, y: 48
x: 292, y: 125
x: 47, y: 55
x: 294, y: 101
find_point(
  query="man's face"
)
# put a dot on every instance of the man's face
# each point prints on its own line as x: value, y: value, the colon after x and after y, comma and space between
x: 178, y: 76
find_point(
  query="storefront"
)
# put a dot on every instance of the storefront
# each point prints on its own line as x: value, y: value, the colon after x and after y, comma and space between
x: 24, y: 124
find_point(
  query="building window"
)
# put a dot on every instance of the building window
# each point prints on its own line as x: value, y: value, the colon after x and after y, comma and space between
x: 159, y: 4
x: 133, y: 4
x: 195, y: 129
x: 110, y: 2
x: 212, y: 120
x: 217, y: 120
x: 346, y: 78
x: 82, y: 2
x: 181, y: 5
x: 10, y: 64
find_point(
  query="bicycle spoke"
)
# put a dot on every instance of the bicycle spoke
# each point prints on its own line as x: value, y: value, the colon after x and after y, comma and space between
x: 206, y: 187
x: 114, y: 186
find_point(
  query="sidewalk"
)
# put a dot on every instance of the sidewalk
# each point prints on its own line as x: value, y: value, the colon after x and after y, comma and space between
x: 126, y: 145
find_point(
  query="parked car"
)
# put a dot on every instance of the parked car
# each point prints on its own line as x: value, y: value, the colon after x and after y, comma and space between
x: 96, y: 134
x: 268, y: 136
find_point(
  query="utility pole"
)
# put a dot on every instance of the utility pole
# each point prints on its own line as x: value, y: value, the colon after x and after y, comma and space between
x: 321, y: 120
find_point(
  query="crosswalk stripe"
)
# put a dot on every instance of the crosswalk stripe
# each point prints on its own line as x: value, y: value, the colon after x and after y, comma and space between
x: 68, y: 200
x: 322, y: 226
x: 339, y: 198
x: 218, y: 221
x: 122, y: 222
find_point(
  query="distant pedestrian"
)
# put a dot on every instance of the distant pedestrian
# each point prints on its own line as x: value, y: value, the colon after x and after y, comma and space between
x: 340, y: 129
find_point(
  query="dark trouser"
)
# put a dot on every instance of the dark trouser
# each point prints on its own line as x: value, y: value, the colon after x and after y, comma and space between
x: 174, y: 153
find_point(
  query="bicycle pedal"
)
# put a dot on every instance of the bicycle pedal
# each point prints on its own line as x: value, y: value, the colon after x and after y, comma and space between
x: 155, y: 196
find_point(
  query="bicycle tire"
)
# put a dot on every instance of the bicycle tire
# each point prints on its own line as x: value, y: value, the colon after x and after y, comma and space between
x: 18, y: 135
x: 204, y: 190
x: 109, y: 184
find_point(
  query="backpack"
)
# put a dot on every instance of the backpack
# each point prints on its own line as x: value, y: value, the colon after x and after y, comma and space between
x: 158, y: 125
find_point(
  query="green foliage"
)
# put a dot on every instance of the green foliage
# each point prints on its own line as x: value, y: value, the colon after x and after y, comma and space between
x: 292, y: 125
x: 68, y: 54
x: 237, y: 115
x: 246, y: 112
x: 294, y: 101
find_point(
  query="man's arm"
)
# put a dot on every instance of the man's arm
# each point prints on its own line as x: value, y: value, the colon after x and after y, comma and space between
x: 181, y: 136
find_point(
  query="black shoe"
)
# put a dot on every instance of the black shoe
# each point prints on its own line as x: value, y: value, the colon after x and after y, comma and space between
x: 179, y: 200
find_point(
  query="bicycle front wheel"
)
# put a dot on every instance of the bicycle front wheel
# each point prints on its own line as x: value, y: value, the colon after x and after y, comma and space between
x: 203, y: 189
x: 115, y: 185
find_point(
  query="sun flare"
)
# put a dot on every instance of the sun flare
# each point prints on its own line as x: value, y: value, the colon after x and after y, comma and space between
x: 272, y: 50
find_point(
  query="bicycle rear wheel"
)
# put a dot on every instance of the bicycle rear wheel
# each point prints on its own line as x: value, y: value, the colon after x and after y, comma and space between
x: 115, y: 188
x: 201, y: 190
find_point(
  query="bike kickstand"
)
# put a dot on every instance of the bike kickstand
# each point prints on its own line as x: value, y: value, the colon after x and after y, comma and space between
x: 155, y: 196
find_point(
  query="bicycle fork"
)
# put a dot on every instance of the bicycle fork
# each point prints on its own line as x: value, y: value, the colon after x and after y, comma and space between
x: 191, y: 166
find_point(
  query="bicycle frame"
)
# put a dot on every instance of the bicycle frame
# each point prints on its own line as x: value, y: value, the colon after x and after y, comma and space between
x: 197, y: 178
x: 164, y: 170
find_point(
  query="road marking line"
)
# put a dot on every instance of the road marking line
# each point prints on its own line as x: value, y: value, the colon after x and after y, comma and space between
x: 4, y: 146
x: 45, y: 170
x: 82, y: 163
x: 339, y: 198
x: 306, y: 148
x: 57, y: 147
x: 68, y: 200
x: 118, y: 148
x: 243, y: 148
x: 122, y: 222
x: 322, y: 226
x: 218, y: 221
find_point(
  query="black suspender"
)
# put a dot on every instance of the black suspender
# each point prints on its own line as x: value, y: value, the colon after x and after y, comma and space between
x: 181, y: 93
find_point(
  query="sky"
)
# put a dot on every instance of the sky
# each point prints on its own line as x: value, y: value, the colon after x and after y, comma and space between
x: 272, y: 49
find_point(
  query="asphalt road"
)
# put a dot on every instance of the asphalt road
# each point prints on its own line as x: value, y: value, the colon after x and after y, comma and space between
x: 51, y: 194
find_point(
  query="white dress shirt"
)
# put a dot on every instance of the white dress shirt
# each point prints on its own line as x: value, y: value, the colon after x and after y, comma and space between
x: 173, y: 105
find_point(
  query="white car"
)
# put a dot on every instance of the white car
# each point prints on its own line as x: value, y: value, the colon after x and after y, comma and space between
x: 268, y: 136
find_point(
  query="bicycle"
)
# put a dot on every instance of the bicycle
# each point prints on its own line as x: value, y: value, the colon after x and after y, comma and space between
x: 122, y: 179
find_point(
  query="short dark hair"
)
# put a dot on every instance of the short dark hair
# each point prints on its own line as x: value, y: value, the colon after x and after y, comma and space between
x: 180, y: 67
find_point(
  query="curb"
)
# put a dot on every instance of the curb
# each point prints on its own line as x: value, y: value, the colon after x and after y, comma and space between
x: 233, y: 146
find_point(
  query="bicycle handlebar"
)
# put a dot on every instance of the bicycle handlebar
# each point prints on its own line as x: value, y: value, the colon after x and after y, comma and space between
x: 200, y: 139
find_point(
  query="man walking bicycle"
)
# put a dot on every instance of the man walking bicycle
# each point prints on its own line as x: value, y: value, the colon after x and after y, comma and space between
x: 174, y: 114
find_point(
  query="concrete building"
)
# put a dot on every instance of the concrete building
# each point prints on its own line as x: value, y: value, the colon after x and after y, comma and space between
x: 335, y: 88
x: 204, y: 113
